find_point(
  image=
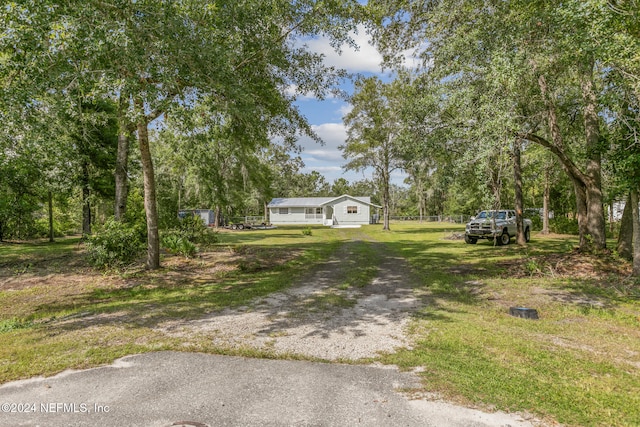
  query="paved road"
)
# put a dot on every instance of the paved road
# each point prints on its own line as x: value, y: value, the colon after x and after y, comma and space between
x: 190, y: 389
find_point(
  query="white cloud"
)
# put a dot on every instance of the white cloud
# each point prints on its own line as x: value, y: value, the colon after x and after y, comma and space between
x: 364, y: 59
x: 331, y: 131
x: 326, y: 158
x: 332, y: 134
x: 325, y: 170
x: 345, y: 109
x: 292, y: 91
x: 326, y: 155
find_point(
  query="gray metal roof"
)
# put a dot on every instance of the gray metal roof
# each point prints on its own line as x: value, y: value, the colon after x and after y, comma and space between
x: 310, y: 202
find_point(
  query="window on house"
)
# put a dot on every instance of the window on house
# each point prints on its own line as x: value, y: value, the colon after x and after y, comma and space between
x: 352, y: 209
x: 283, y: 211
x: 318, y: 210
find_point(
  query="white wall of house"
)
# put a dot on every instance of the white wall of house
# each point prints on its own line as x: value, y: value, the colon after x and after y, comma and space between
x: 295, y: 215
x: 344, y: 210
x: 350, y: 211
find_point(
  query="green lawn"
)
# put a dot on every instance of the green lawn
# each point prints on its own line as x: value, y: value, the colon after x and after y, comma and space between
x: 579, y: 364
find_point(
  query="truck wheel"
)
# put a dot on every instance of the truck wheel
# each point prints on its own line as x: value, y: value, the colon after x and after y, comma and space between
x: 470, y: 240
x: 234, y: 227
x: 505, y: 239
x: 241, y: 226
x: 527, y: 234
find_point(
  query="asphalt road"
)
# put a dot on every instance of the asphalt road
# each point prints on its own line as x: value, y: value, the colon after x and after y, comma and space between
x: 190, y: 389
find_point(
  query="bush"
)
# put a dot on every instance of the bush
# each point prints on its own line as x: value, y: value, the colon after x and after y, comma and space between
x: 191, y: 231
x: 178, y: 243
x: 115, y: 244
x: 536, y: 221
x: 307, y: 231
x: 563, y: 225
x: 194, y: 230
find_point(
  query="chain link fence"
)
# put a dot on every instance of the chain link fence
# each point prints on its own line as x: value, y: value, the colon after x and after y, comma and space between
x: 452, y: 219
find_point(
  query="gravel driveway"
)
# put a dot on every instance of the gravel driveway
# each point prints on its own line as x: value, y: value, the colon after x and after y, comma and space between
x: 320, y: 318
x: 360, y: 323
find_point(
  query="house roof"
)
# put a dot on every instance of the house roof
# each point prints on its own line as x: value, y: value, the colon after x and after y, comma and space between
x: 310, y: 202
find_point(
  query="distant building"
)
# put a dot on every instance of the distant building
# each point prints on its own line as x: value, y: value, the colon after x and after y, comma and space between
x: 344, y: 210
x: 208, y: 216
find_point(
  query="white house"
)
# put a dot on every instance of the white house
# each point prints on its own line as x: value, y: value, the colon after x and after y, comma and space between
x: 333, y: 211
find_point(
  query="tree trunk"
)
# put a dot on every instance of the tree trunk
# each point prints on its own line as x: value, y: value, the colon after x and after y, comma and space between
x: 266, y: 212
x: 545, y: 202
x: 610, y: 208
x: 122, y: 183
x: 581, y: 214
x: 596, y: 224
x: 587, y: 186
x: 636, y: 232
x: 122, y: 163
x: 625, y: 238
x: 216, y: 220
x: 150, y: 205
x: 519, y: 204
x: 386, y: 182
x: 86, y: 203
x: 50, y: 197
x: 385, y: 202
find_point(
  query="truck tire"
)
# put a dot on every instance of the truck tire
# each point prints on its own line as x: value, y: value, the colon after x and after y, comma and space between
x: 504, y: 238
x: 527, y: 235
x: 470, y: 240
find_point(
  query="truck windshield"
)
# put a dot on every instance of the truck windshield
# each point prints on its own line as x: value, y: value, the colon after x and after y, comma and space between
x: 491, y: 214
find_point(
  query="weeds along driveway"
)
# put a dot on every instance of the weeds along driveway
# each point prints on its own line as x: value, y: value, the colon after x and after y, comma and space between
x: 353, y: 306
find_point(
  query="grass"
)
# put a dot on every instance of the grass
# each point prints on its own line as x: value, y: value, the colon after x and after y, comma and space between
x: 66, y: 323
x: 579, y: 364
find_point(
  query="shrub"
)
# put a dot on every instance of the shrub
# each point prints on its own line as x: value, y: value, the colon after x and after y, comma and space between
x: 307, y: 231
x: 191, y: 231
x: 194, y: 230
x: 563, y: 225
x: 115, y: 244
x: 178, y: 243
x: 536, y: 221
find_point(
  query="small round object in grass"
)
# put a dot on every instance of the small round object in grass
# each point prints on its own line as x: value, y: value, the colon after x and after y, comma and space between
x: 523, y: 312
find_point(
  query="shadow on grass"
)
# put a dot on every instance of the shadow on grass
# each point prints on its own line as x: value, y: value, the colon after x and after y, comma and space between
x: 456, y: 271
x: 319, y: 310
x: 30, y: 256
x: 443, y: 270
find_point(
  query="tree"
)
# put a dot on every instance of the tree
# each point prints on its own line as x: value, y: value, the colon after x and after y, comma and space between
x: 489, y: 47
x: 92, y: 137
x: 156, y: 55
x: 519, y: 202
x: 372, y: 133
x: 340, y: 187
x: 20, y: 193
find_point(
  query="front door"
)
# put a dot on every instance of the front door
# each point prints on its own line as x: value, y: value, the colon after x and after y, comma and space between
x: 328, y: 215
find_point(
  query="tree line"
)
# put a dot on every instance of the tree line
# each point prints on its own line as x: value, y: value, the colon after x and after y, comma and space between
x: 217, y: 74
x: 507, y: 96
x: 148, y: 107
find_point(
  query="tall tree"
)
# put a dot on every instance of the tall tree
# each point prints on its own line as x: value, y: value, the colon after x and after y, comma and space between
x: 162, y: 54
x: 521, y: 239
x: 373, y: 128
x: 467, y: 45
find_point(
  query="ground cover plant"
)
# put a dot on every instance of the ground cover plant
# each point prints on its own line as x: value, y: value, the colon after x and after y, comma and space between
x: 578, y: 364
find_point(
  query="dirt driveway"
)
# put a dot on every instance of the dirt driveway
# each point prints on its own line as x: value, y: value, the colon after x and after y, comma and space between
x: 319, y: 317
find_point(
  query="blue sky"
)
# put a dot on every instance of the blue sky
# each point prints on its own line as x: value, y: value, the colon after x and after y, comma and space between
x: 326, y: 116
